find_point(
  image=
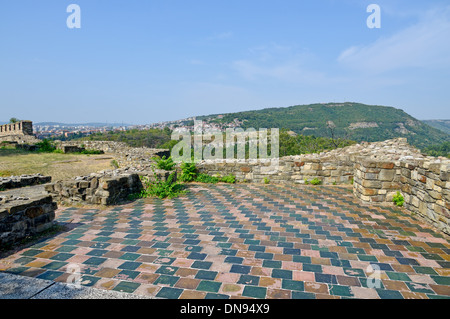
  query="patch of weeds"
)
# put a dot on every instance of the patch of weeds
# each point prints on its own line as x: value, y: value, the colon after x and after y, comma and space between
x: 164, y: 163
x: 205, y: 178
x: 115, y: 164
x: 231, y: 179
x: 266, y: 180
x: 316, y: 181
x: 188, y: 172
x: 398, y: 199
x: 160, y: 188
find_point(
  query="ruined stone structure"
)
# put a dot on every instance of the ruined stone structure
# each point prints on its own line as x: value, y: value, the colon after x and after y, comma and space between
x: 21, y: 132
x: 18, y: 128
x: 23, y: 181
x: 139, y: 158
x: 21, y: 217
x: 106, y: 188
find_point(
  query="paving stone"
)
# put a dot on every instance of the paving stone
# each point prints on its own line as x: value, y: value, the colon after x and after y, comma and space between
x: 274, y: 241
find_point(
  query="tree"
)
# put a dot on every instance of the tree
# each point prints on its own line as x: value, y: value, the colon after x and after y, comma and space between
x: 13, y: 120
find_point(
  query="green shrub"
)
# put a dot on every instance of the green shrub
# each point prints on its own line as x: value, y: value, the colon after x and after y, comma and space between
x: 306, y: 182
x: 164, y: 163
x: 398, y: 199
x: 316, y: 181
x: 231, y: 179
x: 92, y: 152
x: 266, y: 180
x: 205, y: 178
x: 46, y: 146
x: 159, y: 188
x: 115, y: 164
x: 188, y: 172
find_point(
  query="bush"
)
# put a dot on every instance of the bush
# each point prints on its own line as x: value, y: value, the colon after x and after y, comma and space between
x: 316, y: 181
x: 231, y: 179
x: 188, y: 172
x: 115, y: 164
x: 46, y: 146
x: 266, y: 180
x: 92, y: 152
x: 205, y: 178
x: 398, y: 199
x: 161, y: 189
x: 164, y: 163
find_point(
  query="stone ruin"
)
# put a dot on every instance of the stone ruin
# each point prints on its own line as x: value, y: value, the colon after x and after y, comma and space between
x: 20, y: 132
x: 375, y: 171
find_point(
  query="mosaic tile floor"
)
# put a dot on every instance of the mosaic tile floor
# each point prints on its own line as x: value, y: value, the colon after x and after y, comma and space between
x: 245, y: 241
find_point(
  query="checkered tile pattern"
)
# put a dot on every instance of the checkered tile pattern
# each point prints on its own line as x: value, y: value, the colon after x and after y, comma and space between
x: 245, y: 241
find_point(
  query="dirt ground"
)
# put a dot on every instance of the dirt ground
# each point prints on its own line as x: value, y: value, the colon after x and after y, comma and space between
x: 59, y: 166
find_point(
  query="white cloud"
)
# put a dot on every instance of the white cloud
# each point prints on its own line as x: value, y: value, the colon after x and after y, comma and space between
x: 220, y: 36
x: 278, y: 62
x: 423, y: 45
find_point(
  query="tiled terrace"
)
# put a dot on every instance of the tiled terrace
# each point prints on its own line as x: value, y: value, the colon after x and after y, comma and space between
x: 245, y: 240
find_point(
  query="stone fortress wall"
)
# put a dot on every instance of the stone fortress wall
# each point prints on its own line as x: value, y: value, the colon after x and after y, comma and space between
x: 18, y: 128
x: 19, y: 132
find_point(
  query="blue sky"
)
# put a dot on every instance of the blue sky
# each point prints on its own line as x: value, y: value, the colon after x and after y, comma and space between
x: 147, y: 61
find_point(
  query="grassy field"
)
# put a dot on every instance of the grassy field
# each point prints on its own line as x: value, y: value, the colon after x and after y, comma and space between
x: 59, y: 166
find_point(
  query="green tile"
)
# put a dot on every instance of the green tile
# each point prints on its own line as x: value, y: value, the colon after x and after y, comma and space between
x: 398, y: 276
x: 128, y: 274
x: 425, y: 270
x: 367, y: 258
x: 292, y: 285
x: 206, y: 275
x: 50, y: 275
x: 169, y: 293
x: 167, y: 270
x: 272, y: 263
x: 127, y: 286
x: 440, y: 280
x: 209, y: 286
x: 303, y: 295
x: 130, y: 256
x: 416, y: 249
x: 89, y: 280
x: 338, y: 290
x: 281, y: 273
x: 62, y: 256
x: 166, y: 280
x: 248, y: 280
x: 65, y: 249
x: 31, y: 252
x: 312, y: 267
x: 95, y: 261
x: 54, y: 265
x: 254, y: 292
x: 418, y: 287
x: 389, y: 294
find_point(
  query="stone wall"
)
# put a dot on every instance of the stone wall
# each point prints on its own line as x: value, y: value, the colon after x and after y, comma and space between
x: 138, y: 158
x: 424, y: 183
x: 21, y: 217
x: 331, y: 167
x: 289, y: 170
x: 19, y: 128
x: 23, y: 181
x: 107, y: 188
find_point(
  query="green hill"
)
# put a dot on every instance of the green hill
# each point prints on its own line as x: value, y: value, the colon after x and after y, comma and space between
x: 353, y: 121
x: 443, y: 125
